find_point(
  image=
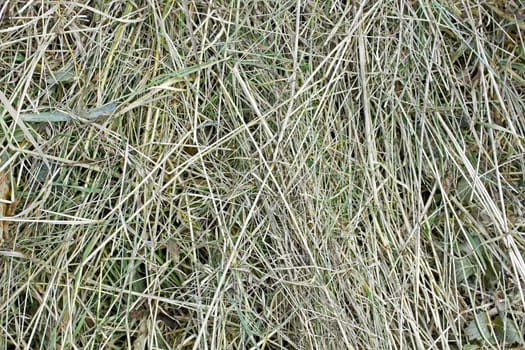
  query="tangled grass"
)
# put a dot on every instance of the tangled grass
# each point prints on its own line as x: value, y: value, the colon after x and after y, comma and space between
x: 262, y: 174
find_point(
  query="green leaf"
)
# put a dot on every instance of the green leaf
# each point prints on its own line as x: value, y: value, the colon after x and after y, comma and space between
x: 62, y: 75
x: 50, y: 117
x: 479, y: 329
x: 100, y: 111
x: 519, y: 67
x: 506, y: 330
x: 465, y: 267
x: 53, y: 117
x: 498, y: 331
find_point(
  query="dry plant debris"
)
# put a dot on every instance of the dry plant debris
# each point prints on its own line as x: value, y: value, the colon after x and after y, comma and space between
x: 262, y: 174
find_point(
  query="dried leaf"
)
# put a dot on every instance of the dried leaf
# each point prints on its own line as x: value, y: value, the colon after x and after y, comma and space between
x: 5, y: 203
x: 173, y: 250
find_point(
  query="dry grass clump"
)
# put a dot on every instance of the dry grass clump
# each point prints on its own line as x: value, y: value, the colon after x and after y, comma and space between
x: 262, y: 174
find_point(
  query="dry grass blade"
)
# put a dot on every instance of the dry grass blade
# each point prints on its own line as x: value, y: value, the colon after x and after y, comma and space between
x: 262, y: 174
